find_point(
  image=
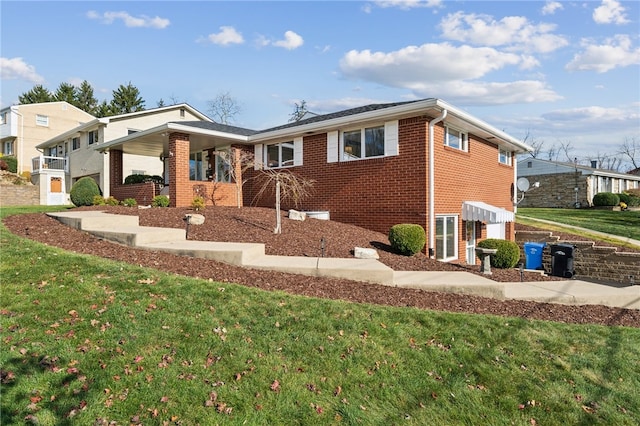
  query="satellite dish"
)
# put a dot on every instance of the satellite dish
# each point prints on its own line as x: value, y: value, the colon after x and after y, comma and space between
x: 523, y: 184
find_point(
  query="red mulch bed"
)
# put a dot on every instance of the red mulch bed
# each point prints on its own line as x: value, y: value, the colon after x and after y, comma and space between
x: 252, y: 224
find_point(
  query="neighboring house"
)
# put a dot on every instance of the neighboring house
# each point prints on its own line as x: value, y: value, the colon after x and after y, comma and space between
x: 23, y: 127
x: 571, y: 185
x: 77, y: 146
x: 424, y: 162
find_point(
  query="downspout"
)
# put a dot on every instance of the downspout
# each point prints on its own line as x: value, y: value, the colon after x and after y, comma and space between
x: 515, y: 188
x: 432, y: 185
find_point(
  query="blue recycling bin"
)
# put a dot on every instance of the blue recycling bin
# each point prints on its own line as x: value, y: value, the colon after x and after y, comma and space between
x: 533, y: 255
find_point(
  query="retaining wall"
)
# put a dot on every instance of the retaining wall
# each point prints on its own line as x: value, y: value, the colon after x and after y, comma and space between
x: 19, y: 195
x: 590, y: 261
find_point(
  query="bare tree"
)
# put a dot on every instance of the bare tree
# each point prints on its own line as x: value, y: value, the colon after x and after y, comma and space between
x: 630, y: 150
x: 288, y: 187
x: 537, y: 145
x: 237, y: 162
x: 607, y: 161
x: 299, y: 112
x: 224, y: 108
x: 566, y: 148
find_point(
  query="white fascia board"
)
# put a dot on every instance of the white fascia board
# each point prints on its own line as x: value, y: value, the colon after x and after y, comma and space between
x: 405, y: 110
x: 66, y: 135
x: 169, y: 127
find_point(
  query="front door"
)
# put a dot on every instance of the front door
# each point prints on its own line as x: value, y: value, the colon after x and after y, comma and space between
x: 471, y: 242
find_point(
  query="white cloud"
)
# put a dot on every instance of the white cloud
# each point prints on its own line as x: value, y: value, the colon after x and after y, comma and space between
x: 291, y: 41
x: 443, y: 70
x: 610, y: 12
x: 515, y: 33
x: 18, y: 69
x: 550, y: 7
x: 616, y: 52
x: 405, y: 4
x: 226, y: 36
x: 130, y: 21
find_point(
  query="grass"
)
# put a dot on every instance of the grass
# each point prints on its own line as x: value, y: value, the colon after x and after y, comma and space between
x: 91, y: 341
x: 621, y: 223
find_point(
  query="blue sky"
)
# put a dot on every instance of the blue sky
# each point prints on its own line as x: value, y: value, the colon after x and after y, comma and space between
x: 559, y: 72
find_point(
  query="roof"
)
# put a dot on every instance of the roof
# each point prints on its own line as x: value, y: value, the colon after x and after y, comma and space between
x: 552, y: 167
x: 216, y: 134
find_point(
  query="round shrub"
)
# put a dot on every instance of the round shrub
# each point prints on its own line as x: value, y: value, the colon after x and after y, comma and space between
x: 507, y: 255
x: 98, y: 200
x: 624, y: 197
x: 606, y: 199
x: 407, y: 239
x: 137, y: 178
x: 160, y: 201
x: 83, y: 192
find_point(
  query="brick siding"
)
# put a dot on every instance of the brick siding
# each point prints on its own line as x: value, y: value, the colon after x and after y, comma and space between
x: 19, y: 195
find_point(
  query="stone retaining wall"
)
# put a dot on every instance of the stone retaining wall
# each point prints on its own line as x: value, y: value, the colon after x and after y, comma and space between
x: 19, y: 195
x: 590, y: 261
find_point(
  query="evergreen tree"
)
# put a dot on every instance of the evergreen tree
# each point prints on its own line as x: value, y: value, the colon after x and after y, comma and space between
x: 36, y: 95
x: 299, y: 112
x: 126, y: 99
x: 160, y: 103
x: 66, y: 92
x: 85, y: 99
x: 103, y: 110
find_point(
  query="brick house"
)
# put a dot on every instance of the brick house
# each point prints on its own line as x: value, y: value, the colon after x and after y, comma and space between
x: 567, y: 185
x: 424, y: 162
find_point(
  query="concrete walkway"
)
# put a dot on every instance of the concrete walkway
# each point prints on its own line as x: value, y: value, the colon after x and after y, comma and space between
x: 126, y: 230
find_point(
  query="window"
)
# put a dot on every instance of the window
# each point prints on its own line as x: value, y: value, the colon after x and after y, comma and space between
x: 529, y: 164
x: 196, y: 166
x: 75, y: 143
x: 42, y: 120
x: 279, y: 155
x: 456, y: 139
x: 446, y: 237
x: 504, y: 157
x: 182, y: 112
x: 222, y: 166
x: 363, y: 143
x: 3, y: 117
x: 138, y: 172
x: 8, y: 148
x: 93, y: 137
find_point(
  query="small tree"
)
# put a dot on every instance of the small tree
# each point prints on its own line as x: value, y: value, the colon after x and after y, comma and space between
x: 299, y: 112
x: 288, y: 187
x: 224, y: 108
x: 238, y: 162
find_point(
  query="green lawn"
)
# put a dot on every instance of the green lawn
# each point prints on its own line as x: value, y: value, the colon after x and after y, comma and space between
x: 622, y: 223
x: 91, y: 341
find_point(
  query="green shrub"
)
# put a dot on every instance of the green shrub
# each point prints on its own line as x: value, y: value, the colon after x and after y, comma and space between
x: 407, y: 239
x: 160, y: 201
x: 98, y: 200
x: 198, y: 203
x: 129, y: 202
x: 111, y: 201
x: 136, y: 178
x: 508, y: 253
x: 606, y: 199
x: 624, y: 197
x: 83, y: 192
x: 11, y: 163
x: 630, y: 199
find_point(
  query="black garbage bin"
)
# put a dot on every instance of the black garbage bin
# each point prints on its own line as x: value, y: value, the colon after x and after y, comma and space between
x: 562, y: 260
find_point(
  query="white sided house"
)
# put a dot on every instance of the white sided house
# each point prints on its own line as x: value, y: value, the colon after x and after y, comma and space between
x: 569, y: 185
x: 78, y: 148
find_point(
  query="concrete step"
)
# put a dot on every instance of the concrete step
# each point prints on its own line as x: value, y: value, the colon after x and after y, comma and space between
x: 135, y: 236
x: 240, y: 254
x: 449, y: 282
x: 85, y: 220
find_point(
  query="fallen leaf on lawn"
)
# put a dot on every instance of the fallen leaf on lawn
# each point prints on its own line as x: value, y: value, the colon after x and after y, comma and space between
x: 164, y: 399
x: 275, y: 386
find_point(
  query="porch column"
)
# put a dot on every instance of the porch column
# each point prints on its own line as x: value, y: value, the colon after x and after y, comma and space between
x: 180, y: 192
x: 115, y: 171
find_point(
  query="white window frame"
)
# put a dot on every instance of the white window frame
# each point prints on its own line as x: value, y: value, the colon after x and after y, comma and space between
x: 75, y: 143
x: 8, y: 148
x: 335, y: 143
x: 4, y: 117
x: 262, y: 152
x: 92, y: 137
x: 504, y: 157
x: 279, y: 163
x: 462, y: 136
x: 445, y: 247
x: 346, y: 156
x: 42, y: 120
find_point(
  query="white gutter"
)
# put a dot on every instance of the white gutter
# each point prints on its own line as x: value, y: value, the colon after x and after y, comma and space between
x: 432, y: 185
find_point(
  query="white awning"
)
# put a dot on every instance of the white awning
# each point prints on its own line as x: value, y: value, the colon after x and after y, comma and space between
x: 483, y: 212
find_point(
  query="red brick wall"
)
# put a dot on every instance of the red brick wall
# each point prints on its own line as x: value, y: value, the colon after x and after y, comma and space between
x: 379, y: 193
x: 142, y: 192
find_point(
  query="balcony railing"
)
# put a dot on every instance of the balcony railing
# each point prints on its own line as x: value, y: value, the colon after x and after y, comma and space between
x: 45, y: 162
